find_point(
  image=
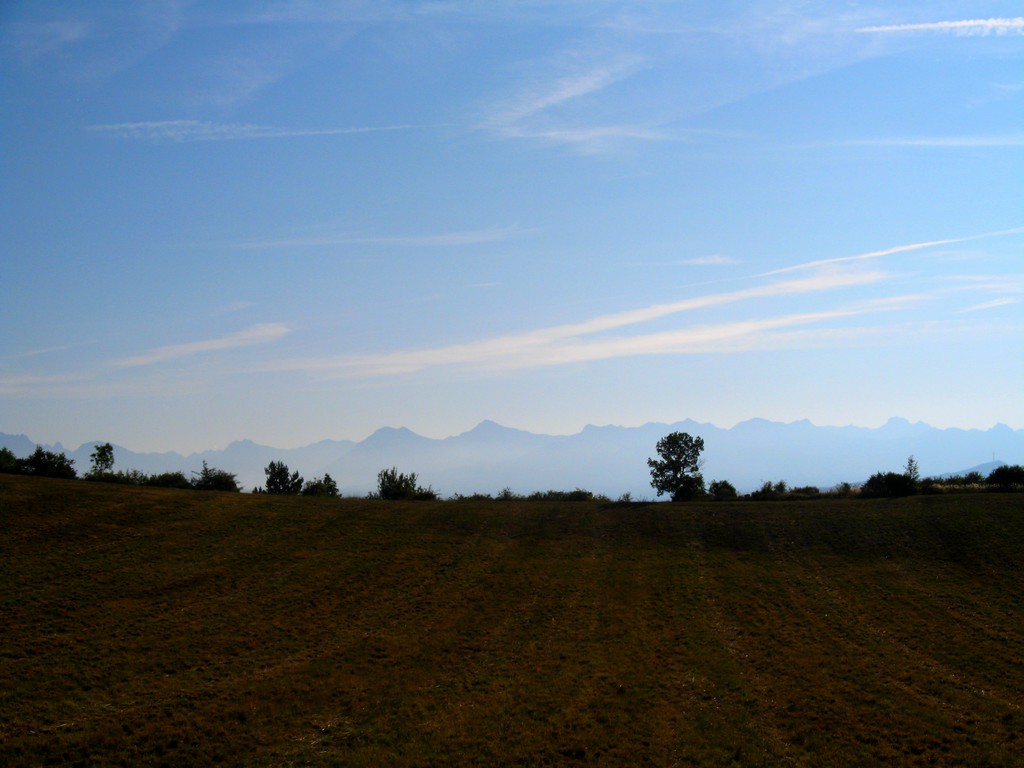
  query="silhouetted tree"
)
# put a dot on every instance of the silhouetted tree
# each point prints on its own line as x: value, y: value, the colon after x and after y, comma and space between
x: 321, y: 486
x: 1007, y: 477
x: 911, y: 471
x: 8, y: 461
x: 102, y: 462
x: 678, y: 470
x: 168, y: 480
x: 279, y: 482
x: 212, y: 479
x: 882, y: 484
x: 43, y: 463
x: 392, y: 484
x: 722, y: 490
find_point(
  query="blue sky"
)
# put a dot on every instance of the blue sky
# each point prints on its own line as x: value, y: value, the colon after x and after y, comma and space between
x: 291, y: 221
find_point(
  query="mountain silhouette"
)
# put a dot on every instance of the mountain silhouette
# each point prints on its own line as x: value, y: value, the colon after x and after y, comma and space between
x: 604, y: 459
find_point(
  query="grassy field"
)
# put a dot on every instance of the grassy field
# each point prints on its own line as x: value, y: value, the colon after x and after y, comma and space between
x: 154, y: 627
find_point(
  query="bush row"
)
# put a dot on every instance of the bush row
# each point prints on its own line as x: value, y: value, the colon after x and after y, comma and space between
x: 393, y: 485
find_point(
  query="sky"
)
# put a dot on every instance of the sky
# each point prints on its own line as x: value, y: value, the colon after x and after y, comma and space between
x: 291, y: 221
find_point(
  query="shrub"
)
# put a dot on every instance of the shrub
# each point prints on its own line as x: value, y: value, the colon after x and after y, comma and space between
x: 1007, y: 477
x: 212, y: 479
x: 472, y: 497
x: 43, y: 463
x: 393, y: 485
x: 972, y: 481
x: 321, y: 486
x: 169, y: 480
x: 722, y: 490
x: 804, y: 492
x: 130, y: 477
x: 888, y: 484
x: 843, y: 490
x: 769, y: 491
x: 579, y: 494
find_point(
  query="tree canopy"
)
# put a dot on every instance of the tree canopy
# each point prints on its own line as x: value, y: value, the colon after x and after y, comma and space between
x: 280, y: 482
x: 677, y: 472
x: 213, y: 479
x: 43, y: 463
x: 102, y: 461
x: 392, y: 484
x: 321, y: 486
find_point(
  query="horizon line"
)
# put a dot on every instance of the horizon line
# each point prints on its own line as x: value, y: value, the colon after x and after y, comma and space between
x: 892, y: 420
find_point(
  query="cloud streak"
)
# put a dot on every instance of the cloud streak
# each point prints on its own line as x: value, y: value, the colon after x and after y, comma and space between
x: 529, y: 115
x: 264, y: 333
x: 943, y: 142
x: 715, y: 260
x: 994, y: 304
x: 966, y: 27
x: 594, y: 339
x: 183, y: 131
x: 563, y: 90
x: 608, y: 336
x: 818, y: 264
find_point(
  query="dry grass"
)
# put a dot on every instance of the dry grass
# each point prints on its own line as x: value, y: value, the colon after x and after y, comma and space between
x: 146, y: 626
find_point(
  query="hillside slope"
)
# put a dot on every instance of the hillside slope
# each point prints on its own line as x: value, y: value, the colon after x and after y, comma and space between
x: 176, y: 627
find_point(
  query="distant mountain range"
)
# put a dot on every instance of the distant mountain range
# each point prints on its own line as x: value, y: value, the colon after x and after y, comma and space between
x: 610, y: 460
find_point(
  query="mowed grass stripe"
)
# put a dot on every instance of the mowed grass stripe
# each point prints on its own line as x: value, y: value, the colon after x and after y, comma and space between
x: 162, y: 627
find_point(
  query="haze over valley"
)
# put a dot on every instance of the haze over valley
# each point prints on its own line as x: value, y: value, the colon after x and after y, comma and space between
x: 609, y: 460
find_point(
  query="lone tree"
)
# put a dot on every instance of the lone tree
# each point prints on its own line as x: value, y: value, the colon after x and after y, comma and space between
x: 912, y: 471
x: 279, y: 482
x: 102, y: 461
x: 678, y: 470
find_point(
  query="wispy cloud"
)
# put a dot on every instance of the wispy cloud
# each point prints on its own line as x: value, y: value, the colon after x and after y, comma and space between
x: 940, y: 142
x: 971, y: 27
x: 818, y: 264
x: 27, y: 384
x: 994, y: 304
x: 596, y: 338
x: 264, y: 333
x: 443, y: 239
x: 544, y: 112
x: 180, y: 131
x: 35, y: 40
x: 562, y: 90
x: 621, y: 334
x: 130, y: 375
x: 44, y: 351
x: 715, y: 260
x: 236, y: 306
x: 593, y: 139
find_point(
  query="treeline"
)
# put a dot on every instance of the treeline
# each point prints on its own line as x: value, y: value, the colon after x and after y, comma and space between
x: 43, y: 463
x: 395, y: 485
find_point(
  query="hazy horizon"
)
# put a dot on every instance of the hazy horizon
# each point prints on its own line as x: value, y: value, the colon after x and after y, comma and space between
x: 290, y: 222
x: 185, y: 451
